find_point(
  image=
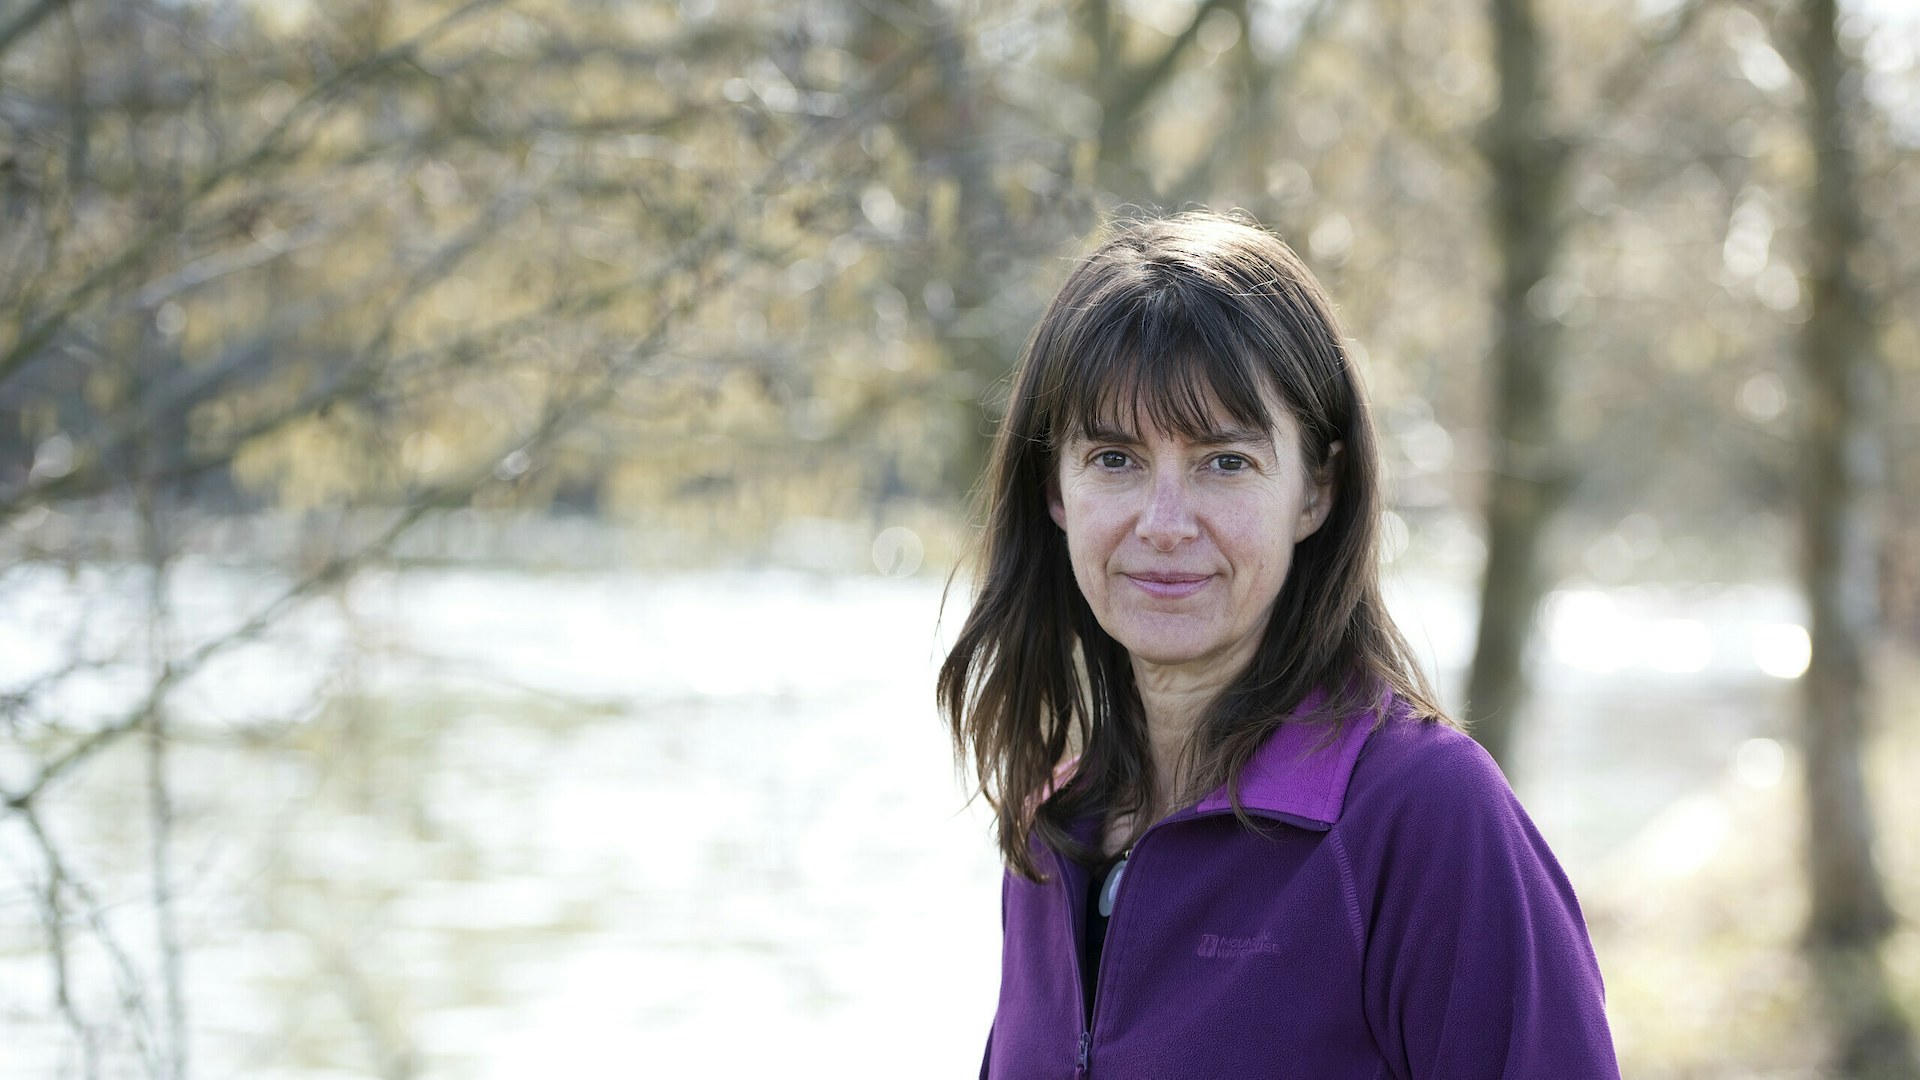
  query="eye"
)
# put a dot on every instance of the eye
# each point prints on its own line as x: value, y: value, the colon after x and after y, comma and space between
x: 1230, y: 462
x: 1110, y: 459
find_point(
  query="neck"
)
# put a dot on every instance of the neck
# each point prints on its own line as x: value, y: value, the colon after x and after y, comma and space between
x: 1174, y: 698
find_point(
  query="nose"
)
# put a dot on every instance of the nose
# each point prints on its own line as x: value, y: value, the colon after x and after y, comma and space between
x: 1168, y: 516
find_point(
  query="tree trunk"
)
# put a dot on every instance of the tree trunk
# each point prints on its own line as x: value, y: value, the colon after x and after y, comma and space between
x: 1527, y: 480
x: 1125, y: 91
x: 1849, y: 914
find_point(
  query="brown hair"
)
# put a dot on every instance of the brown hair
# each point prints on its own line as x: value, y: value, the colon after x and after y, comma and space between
x: 1168, y: 316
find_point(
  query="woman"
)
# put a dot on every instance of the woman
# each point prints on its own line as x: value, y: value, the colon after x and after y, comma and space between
x: 1241, y: 838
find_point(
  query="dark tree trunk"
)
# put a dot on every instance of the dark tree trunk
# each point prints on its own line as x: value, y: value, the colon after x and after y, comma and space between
x: 1527, y: 480
x: 1124, y: 93
x: 1849, y: 914
x: 965, y: 238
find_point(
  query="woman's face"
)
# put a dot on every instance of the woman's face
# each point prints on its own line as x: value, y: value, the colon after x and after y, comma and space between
x: 1180, y: 545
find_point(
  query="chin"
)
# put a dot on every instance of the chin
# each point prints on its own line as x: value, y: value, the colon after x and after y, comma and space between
x: 1153, y: 641
x: 1163, y: 652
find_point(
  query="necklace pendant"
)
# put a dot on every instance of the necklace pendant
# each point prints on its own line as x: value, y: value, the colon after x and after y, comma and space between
x: 1111, y: 887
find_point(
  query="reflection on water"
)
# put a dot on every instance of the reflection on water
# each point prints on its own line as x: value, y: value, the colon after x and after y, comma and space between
x: 697, y: 825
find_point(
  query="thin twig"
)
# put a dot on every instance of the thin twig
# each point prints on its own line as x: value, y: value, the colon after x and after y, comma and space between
x: 159, y: 797
x: 54, y: 919
x: 132, y: 995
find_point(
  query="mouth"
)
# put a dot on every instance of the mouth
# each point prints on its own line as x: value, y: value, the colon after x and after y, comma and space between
x: 1166, y: 586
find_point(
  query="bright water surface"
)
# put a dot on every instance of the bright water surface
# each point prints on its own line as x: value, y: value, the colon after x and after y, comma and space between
x: 466, y: 823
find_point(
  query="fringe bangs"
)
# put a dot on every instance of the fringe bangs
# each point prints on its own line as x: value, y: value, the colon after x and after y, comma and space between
x: 1165, y: 361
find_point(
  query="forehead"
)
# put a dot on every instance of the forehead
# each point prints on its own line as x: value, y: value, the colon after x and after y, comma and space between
x: 1135, y: 422
x: 1198, y: 398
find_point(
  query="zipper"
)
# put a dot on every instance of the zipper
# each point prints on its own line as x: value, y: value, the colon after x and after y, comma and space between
x: 1106, y: 951
x: 1076, y: 919
x: 1074, y: 907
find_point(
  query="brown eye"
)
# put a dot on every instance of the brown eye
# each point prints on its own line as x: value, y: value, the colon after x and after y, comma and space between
x: 1110, y: 459
x: 1230, y: 463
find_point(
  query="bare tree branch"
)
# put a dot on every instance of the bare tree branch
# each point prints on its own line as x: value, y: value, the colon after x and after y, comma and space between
x: 159, y: 797
x: 257, y: 252
x: 132, y: 997
x: 53, y: 917
x: 34, y: 338
x: 27, y: 20
x: 1268, y: 81
x: 1127, y: 93
x: 1628, y: 77
x: 1132, y: 88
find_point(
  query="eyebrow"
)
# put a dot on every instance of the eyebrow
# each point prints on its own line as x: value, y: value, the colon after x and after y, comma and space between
x: 1221, y: 437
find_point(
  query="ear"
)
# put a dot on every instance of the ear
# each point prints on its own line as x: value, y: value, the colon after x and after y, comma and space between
x: 1321, y: 492
x: 1056, y: 506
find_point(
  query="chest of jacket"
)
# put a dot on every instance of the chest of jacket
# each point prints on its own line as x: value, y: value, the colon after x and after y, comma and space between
x: 1229, y: 952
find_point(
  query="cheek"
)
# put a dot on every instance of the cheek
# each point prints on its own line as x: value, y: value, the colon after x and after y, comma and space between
x: 1089, y: 576
x: 1277, y: 570
x: 1088, y: 521
x: 1088, y: 543
x: 1266, y: 544
x: 1073, y: 528
x: 1091, y: 541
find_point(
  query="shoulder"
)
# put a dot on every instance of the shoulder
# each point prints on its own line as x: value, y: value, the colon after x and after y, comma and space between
x: 1425, y: 758
x: 1430, y: 815
x: 1477, y: 956
x: 1430, y: 779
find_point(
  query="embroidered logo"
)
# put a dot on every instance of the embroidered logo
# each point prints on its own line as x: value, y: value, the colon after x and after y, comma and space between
x: 1220, y: 947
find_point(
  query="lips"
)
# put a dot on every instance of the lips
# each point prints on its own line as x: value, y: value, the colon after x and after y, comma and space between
x: 1165, y: 586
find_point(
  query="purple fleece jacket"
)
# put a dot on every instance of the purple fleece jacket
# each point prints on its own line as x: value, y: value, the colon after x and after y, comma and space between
x: 1397, y: 916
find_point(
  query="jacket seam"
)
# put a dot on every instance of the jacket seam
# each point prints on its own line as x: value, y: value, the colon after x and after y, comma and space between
x: 1350, y: 891
x: 1356, y: 925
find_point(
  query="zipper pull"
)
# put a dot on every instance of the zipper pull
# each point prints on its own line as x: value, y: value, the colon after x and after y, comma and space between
x: 1086, y: 1047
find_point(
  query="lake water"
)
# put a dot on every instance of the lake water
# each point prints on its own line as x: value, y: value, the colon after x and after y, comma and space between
x: 475, y: 824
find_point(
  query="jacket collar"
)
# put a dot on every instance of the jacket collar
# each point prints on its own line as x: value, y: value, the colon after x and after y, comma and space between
x: 1297, y: 775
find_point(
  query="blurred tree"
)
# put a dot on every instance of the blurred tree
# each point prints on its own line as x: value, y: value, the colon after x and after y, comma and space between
x: 1529, y: 475
x: 1840, y: 490
x: 1530, y: 469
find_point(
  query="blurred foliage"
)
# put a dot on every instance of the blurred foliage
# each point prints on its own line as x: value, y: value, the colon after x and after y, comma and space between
x: 1698, y: 922
x: 714, y: 266
x: 737, y: 274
